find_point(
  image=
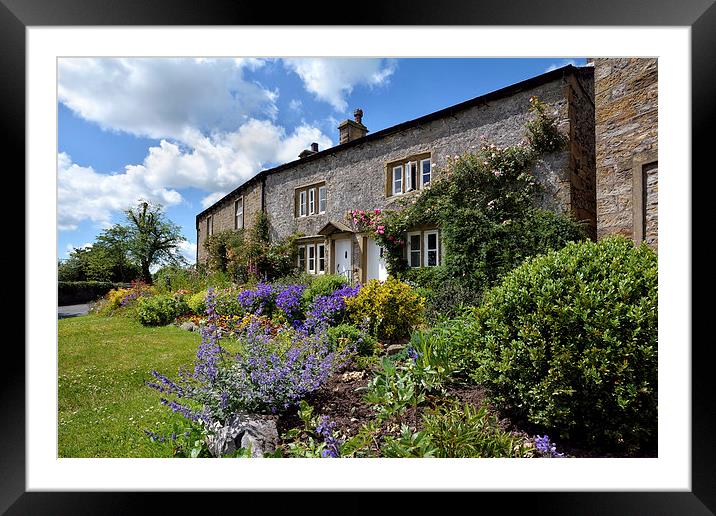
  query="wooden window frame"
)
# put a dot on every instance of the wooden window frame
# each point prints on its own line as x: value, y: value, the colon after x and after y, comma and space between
x: 427, y: 249
x: 406, y: 180
x: 300, y: 265
x: 239, y: 203
x: 422, y: 173
x: 302, y: 204
x: 309, y: 269
x: 393, y: 180
x: 324, y: 199
x: 318, y: 258
x: 411, y: 250
x: 311, y: 201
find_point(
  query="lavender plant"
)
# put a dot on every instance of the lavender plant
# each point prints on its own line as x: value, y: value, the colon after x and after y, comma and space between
x: 259, y: 300
x: 288, y: 301
x: 328, y: 310
x: 271, y: 373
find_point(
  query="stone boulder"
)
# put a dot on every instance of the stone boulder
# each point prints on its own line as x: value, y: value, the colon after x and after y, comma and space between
x: 189, y: 326
x: 394, y: 349
x: 244, y: 431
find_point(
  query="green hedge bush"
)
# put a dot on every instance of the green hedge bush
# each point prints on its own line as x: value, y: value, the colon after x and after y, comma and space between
x: 76, y: 292
x: 569, y: 340
x: 160, y: 310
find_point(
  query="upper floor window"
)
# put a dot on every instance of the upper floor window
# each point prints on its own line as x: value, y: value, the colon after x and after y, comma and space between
x: 209, y: 225
x: 322, y: 199
x: 310, y: 199
x: 239, y: 213
x: 408, y: 174
x: 302, y: 204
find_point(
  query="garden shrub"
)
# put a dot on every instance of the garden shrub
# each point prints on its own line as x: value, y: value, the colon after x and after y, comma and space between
x: 160, y: 310
x: 197, y: 303
x: 346, y: 335
x: 569, y: 340
x: 391, y: 308
x: 329, y: 310
x: 323, y: 285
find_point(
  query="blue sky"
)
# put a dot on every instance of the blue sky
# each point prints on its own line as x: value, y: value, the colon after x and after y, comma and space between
x: 183, y: 132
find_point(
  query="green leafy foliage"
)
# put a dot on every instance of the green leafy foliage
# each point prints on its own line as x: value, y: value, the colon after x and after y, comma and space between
x: 322, y: 285
x: 408, y: 444
x: 345, y: 335
x: 391, y: 309
x: 569, y: 340
x: 160, y: 310
x: 461, y: 430
x: 74, y: 292
x: 393, y: 389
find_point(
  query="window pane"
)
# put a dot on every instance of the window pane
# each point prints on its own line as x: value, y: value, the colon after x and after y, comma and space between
x: 415, y: 242
x: 415, y: 258
x: 312, y: 201
x: 303, y: 203
x: 322, y: 199
x: 413, y: 175
x: 432, y: 258
x: 397, y: 180
x: 432, y: 241
x: 426, y: 170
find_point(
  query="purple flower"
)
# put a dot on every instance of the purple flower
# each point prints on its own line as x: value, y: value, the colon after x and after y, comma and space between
x: 258, y: 300
x: 545, y: 447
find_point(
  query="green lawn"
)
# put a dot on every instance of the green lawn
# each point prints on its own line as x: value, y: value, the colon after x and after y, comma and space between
x: 104, y: 405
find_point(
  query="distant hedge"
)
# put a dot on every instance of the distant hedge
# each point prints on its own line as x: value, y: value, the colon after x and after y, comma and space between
x: 76, y: 292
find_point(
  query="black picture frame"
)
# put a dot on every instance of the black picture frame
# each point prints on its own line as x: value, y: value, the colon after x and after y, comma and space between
x: 700, y: 15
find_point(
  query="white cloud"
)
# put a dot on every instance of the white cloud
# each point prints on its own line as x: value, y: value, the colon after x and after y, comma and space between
x: 295, y: 105
x: 211, y: 199
x: 330, y: 80
x: 560, y: 64
x: 71, y: 247
x: 162, y: 97
x: 216, y: 163
x: 84, y: 194
x: 188, y: 250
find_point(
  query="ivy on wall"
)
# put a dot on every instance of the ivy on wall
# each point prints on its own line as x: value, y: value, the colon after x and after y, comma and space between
x: 484, y: 205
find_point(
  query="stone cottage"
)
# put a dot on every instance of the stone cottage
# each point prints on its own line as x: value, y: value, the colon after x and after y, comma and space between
x: 368, y: 171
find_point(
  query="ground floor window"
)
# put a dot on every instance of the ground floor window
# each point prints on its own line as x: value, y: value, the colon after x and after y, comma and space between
x: 312, y: 258
x: 423, y: 248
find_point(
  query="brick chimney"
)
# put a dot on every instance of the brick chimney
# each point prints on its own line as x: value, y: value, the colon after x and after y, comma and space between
x: 308, y: 152
x: 352, y: 129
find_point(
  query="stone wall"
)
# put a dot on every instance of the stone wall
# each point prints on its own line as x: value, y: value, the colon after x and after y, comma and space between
x: 626, y: 125
x: 223, y: 214
x: 356, y: 176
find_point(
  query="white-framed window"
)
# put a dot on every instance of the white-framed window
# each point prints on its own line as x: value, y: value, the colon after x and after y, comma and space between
x: 322, y: 199
x: 414, y: 249
x: 209, y: 225
x: 411, y: 178
x: 302, y: 204
x: 398, y: 180
x: 431, y: 257
x: 239, y: 211
x: 302, y: 257
x: 312, y: 201
x: 321, y: 252
x: 311, y: 259
x: 425, y: 171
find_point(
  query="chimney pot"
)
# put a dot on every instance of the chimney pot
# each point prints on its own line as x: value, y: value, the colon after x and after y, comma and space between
x: 314, y: 147
x: 358, y: 115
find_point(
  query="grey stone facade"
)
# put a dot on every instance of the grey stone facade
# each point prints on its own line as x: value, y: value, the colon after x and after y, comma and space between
x: 356, y: 173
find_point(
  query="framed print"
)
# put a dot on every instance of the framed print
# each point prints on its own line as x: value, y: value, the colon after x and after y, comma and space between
x: 178, y: 137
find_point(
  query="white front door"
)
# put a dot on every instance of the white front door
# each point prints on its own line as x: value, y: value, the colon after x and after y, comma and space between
x: 376, y: 268
x: 344, y: 257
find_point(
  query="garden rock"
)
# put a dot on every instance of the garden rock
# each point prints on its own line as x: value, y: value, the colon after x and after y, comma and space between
x: 189, y: 326
x: 394, y: 349
x: 244, y: 431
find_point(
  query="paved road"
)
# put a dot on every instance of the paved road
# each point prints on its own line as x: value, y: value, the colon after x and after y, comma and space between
x: 71, y: 310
